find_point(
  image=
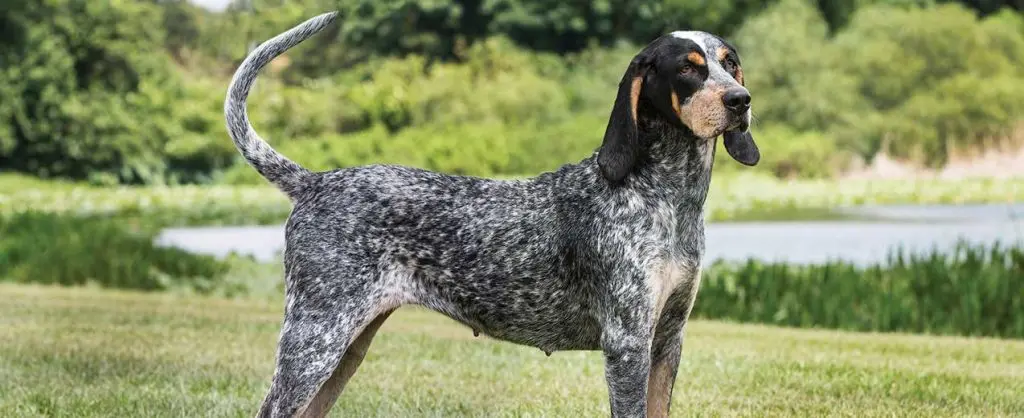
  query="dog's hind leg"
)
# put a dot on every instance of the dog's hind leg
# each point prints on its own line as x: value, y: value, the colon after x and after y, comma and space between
x: 321, y: 323
x: 329, y: 392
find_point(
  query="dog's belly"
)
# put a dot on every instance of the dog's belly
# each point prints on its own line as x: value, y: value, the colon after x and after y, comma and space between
x: 547, y: 316
x: 547, y: 330
x: 560, y: 326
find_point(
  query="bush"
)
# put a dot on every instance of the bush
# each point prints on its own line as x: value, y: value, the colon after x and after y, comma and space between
x: 497, y: 83
x: 80, y: 98
x: 962, y: 112
x: 973, y: 291
x: 592, y: 77
x: 87, y: 93
x: 478, y: 149
x: 52, y: 249
x: 789, y: 66
x: 954, y: 85
x: 199, y: 146
x: 822, y: 98
x: 788, y: 153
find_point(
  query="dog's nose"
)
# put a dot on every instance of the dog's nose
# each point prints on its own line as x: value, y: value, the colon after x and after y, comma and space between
x: 737, y: 100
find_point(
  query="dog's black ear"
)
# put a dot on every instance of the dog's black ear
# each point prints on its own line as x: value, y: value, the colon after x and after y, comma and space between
x: 741, y: 147
x: 621, y: 146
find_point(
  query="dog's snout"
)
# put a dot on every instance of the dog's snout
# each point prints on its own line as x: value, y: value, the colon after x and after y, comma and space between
x: 737, y: 100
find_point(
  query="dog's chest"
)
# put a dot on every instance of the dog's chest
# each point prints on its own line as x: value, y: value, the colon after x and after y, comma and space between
x: 677, y: 267
x: 670, y: 276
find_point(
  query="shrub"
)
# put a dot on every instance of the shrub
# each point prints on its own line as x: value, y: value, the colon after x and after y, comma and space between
x: 497, y: 83
x: 973, y: 290
x: 788, y: 153
x: 479, y: 149
x: 92, y: 96
x: 927, y: 102
x: 592, y: 77
x: 53, y: 249
x: 199, y: 146
x: 789, y: 68
x: 921, y: 106
x: 81, y: 98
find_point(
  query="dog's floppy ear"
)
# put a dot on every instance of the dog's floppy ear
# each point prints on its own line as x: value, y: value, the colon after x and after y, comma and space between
x: 621, y: 146
x: 741, y: 147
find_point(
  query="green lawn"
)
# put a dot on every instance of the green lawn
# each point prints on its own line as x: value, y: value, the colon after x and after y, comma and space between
x: 88, y: 352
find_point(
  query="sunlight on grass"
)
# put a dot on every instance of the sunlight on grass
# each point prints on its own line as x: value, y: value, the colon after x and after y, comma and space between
x: 89, y: 352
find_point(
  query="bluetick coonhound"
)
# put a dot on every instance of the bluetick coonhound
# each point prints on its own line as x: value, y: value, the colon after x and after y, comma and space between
x: 604, y: 254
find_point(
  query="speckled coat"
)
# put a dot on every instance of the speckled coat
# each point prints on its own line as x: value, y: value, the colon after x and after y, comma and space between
x: 603, y: 254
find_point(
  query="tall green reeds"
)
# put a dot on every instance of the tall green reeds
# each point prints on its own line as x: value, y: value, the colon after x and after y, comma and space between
x: 970, y: 290
x: 63, y: 250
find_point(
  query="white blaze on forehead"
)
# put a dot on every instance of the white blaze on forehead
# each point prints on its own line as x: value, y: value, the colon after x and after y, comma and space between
x: 700, y: 38
x: 707, y: 44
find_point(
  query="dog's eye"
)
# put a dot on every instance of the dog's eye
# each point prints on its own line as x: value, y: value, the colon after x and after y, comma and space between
x: 687, y: 69
x: 729, y: 65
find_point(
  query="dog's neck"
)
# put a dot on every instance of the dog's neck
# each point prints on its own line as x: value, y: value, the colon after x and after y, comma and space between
x: 676, y: 162
x: 674, y: 167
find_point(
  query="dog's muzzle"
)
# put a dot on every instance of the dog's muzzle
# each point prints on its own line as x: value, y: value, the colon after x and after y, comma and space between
x: 737, y: 102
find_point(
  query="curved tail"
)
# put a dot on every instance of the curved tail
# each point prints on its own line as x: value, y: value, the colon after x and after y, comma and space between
x: 284, y: 173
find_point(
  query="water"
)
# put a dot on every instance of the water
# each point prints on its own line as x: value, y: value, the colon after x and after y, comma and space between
x: 915, y: 228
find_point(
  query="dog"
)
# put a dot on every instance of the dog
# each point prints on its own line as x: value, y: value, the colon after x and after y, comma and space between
x: 603, y: 254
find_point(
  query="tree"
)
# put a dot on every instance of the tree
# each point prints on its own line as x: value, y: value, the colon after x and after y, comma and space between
x: 85, y: 85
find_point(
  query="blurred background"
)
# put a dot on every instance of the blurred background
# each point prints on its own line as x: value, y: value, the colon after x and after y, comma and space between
x: 888, y: 198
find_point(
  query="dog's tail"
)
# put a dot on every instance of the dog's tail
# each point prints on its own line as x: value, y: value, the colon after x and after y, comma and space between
x: 284, y: 173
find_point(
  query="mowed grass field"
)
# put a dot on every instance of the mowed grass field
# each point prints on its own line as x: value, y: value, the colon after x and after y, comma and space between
x: 90, y: 352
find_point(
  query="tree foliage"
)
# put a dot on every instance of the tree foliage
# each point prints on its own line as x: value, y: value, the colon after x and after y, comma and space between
x: 86, y: 93
x: 915, y: 82
x: 133, y: 91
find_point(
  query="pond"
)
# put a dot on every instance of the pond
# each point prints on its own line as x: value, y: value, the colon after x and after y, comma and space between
x: 867, y: 239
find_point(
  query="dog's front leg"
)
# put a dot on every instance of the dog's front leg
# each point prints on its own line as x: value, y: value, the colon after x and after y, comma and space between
x: 626, y: 343
x: 665, y: 354
x: 666, y: 350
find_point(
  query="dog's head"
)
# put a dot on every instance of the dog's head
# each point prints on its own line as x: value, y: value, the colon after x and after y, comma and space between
x: 695, y: 82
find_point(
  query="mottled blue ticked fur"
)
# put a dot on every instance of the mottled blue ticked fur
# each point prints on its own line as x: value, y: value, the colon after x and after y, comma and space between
x: 603, y: 254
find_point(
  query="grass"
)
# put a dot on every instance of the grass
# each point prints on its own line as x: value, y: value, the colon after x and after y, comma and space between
x: 90, y: 352
x: 744, y: 196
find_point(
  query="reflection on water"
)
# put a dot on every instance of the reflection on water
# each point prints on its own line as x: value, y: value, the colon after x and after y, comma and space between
x: 915, y: 228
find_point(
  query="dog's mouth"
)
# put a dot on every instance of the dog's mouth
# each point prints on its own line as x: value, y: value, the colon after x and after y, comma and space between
x: 738, y: 124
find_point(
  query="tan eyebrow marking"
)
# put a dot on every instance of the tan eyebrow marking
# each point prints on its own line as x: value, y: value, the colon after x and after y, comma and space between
x: 722, y: 53
x: 695, y: 58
